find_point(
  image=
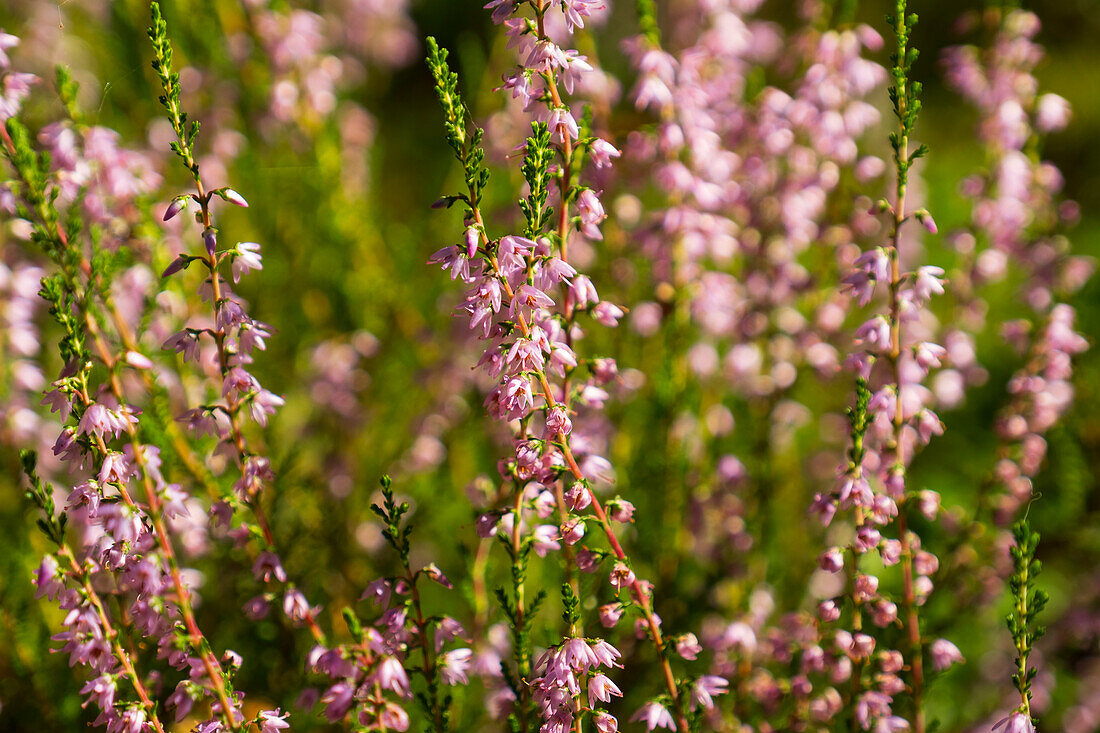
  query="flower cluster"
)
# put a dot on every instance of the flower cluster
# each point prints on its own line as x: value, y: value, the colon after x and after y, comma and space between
x: 527, y: 300
x: 746, y: 251
x: 567, y: 671
x: 128, y: 514
x: 372, y: 674
x: 776, y: 276
x: 1018, y: 216
x: 231, y: 336
x: 890, y: 420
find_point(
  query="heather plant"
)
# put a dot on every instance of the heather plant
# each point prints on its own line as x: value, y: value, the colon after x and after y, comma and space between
x: 707, y: 425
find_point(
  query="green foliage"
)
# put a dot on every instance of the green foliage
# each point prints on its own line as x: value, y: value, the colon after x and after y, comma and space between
x: 67, y: 89
x: 1028, y: 602
x: 537, y: 158
x: 463, y: 135
x: 570, y: 605
x: 859, y: 420
x: 396, y: 534
x: 170, y: 84
x: 41, y: 493
x: 904, y: 93
x: 647, y: 21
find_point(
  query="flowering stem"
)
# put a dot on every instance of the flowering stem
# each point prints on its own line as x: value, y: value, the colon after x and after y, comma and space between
x: 522, y: 654
x: 905, y: 96
x: 466, y: 148
x: 562, y: 442
x: 183, y: 147
x: 112, y: 634
x: 564, y: 184
x: 61, y: 251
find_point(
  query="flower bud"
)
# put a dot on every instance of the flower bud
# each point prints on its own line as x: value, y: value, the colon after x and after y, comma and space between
x: 176, y: 206
x: 234, y: 198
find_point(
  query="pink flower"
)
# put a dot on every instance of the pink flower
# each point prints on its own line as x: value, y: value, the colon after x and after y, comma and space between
x: 338, y: 700
x: 558, y: 422
x: 1015, y: 723
x: 602, y: 152
x: 688, y: 646
x: 654, y: 715
x: 832, y: 560
x: 1052, y: 113
x: 101, y: 691
x: 608, y: 314
x: 295, y: 606
x: 944, y: 654
x: 576, y: 10
x: 446, y: 630
x: 451, y: 258
x: 185, y: 341
x: 884, y: 613
x: 929, y: 281
x: 502, y: 9
x: 601, y: 688
x: 256, y: 608
x: 620, y: 510
x: 545, y: 539
x: 392, y: 717
x: 48, y: 578
x: 561, y: 123
x: 591, y: 214
x: 705, y: 688
x: 928, y: 424
x: 235, y: 198
x: 246, y: 259
x: 621, y: 576
x: 526, y: 299
x: 584, y: 292
x: 268, y: 566
x: 828, y: 611
x: 572, y: 530
x: 453, y: 666
x: 605, y: 654
x: 605, y: 723
x: 272, y: 722
x: 610, y: 614
x: 178, y: 204
x: 391, y: 675
x: 7, y: 41
x: 875, y: 332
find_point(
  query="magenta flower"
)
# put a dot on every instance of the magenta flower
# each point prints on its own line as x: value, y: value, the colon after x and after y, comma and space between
x: 268, y: 566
